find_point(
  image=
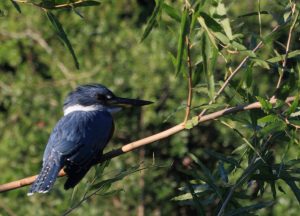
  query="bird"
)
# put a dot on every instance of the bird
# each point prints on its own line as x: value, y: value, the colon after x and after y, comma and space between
x: 79, y: 137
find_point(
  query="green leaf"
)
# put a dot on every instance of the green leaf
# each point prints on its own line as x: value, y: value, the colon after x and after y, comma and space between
x: 211, y: 23
x: 295, y: 122
x: 62, y: 35
x: 184, y: 30
x: 265, y: 104
x: 196, y: 76
x: 225, y: 22
x: 238, y: 46
x: 78, y: 13
x: 192, y: 123
x: 173, y: 58
x: 222, y: 157
x: 260, y: 62
x: 99, y: 169
x: 112, y: 192
x: 249, y: 209
x: 86, y: 4
x: 211, y: 37
x: 293, y: 106
x: 292, y: 162
x: 253, y: 14
x: 273, y: 127
x: 15, y: 4
x: 279, y: 58
x: 248, y: 78
x: 197, y: 201
x: 269, y: 118
x: 172, y: 12
x: 209, y: 55
x: 152, y: 20
x: 51, y: 5
x: 273, y: 189
x: 294, y: 188
x: 221, y: 37
x: 223, y: 172
x: 118, y: 177
x: 249, y: 171
x: 209, y: 179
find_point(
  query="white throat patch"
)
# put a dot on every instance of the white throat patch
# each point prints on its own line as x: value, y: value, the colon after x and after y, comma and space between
x: 78, y: 107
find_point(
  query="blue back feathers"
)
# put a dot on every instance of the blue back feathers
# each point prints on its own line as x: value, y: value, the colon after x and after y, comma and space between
x: 77, y: 140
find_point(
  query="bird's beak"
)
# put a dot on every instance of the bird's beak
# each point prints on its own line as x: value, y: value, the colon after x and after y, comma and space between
x: 124, y: 102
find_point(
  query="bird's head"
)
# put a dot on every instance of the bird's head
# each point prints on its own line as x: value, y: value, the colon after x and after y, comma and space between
x: 100, y: 97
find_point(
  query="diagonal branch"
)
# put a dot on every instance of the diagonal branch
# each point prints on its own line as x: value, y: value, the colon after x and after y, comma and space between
x: 232, y: 75
x: 148, y: 140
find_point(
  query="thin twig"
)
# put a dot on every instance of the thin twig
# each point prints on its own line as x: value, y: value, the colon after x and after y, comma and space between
x: 293, y: 7
x: 54, y: 6
x: 145, y: 141
x: 225, y: 84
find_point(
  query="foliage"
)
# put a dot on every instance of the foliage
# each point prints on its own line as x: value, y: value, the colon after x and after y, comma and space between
x: 244, y: 163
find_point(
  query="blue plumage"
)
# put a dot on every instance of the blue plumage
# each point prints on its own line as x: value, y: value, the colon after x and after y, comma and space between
x: 79, y: 137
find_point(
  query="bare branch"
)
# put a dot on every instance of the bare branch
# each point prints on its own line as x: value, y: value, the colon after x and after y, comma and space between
x: 293, y: 8
x: 145, y: 141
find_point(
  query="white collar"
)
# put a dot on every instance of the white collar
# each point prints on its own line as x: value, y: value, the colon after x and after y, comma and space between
x: 78, y: 107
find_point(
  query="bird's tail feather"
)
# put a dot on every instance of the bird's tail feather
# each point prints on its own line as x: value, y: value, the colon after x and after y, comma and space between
x: 45, y: 180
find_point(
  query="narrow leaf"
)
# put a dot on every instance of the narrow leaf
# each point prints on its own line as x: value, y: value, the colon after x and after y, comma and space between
x: 294, y: 105
x: 50, y: 5
x: 266, y: 105
x: 225, y: 22
x: 181, y: 41
x: 274, y: 127
x: 209, y: 179
x: 222, y: 157
x: 211, y: 37
x: 15, y: 4
x: 197, y: 201
x: 253, y: 14
x: 192, y: 123
x: 249, y: 209
x: 260, y: 62
x: 152, y: 20
x: 267, y: 119
x: 281, y: 57
x: 294, y: 188
x: 171, y: 12
x: 62, y: 35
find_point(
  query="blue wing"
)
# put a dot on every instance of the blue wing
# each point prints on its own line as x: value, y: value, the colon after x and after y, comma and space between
x: 77, y: 140
x: 80, y: 136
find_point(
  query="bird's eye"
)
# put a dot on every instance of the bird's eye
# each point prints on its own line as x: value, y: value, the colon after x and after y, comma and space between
x: 101, y: 97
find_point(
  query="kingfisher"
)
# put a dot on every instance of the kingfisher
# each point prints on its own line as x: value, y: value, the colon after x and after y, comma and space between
x: 79, y: 137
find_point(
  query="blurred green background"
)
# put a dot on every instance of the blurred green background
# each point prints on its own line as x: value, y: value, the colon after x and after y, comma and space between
x: 37, y: 72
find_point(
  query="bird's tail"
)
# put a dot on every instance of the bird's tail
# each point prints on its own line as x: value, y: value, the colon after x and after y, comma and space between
x: 45, y: 180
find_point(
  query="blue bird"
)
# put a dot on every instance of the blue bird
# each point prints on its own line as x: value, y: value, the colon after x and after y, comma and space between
x: 78, y: 139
